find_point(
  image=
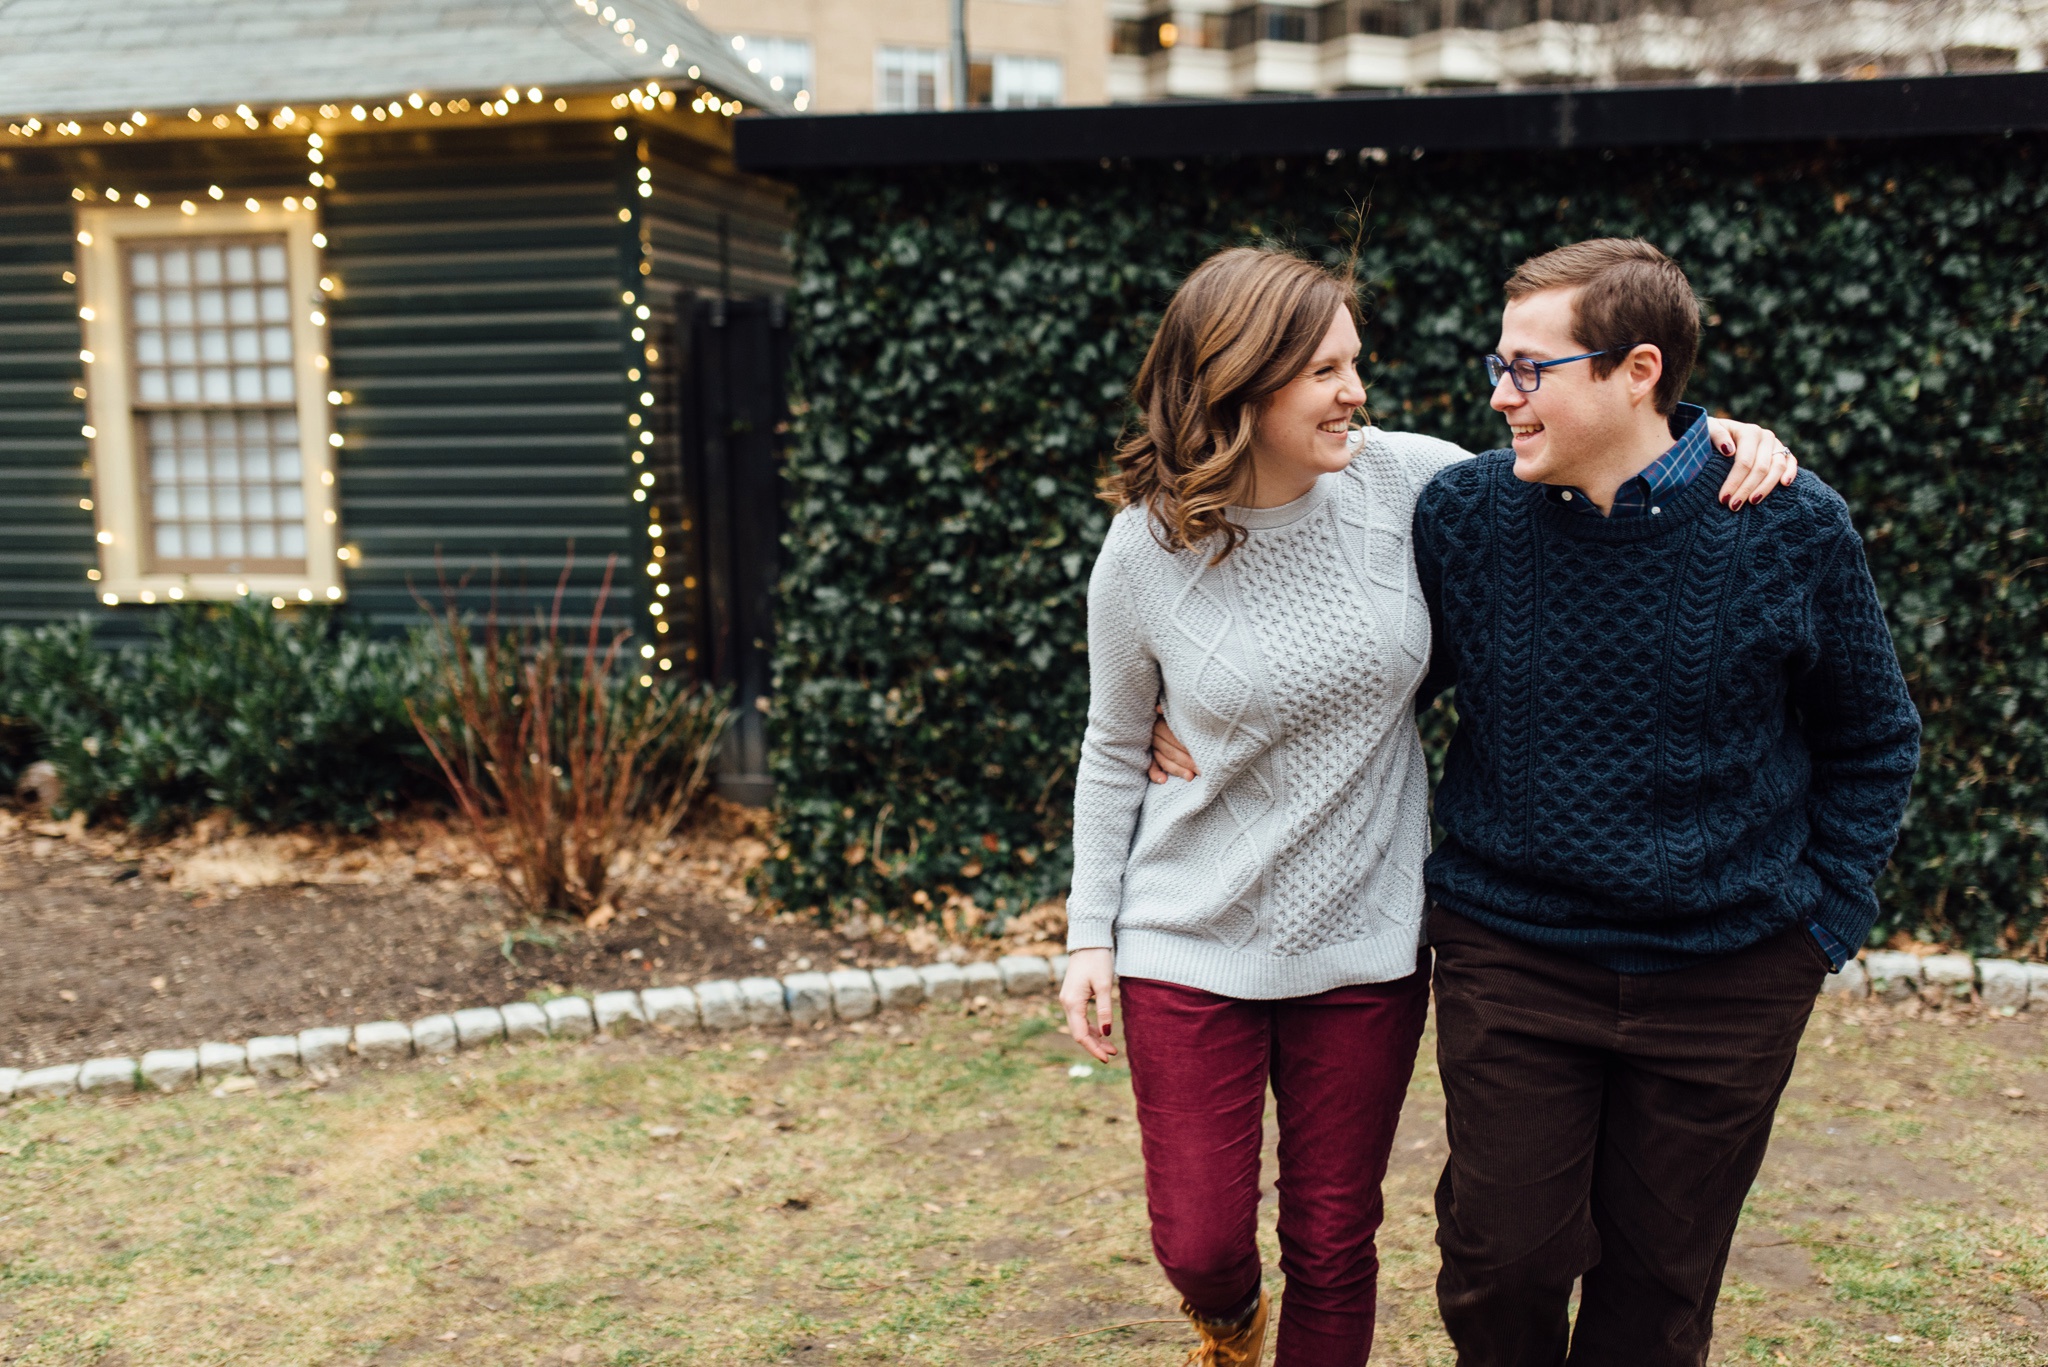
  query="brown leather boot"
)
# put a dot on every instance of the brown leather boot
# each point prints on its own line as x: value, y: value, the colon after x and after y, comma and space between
x: 1229, y: 1345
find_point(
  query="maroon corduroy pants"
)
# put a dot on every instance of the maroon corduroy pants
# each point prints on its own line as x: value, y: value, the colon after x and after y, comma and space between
x: 1339, y: 1064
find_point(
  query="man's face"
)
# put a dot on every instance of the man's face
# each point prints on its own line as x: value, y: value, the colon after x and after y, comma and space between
x: 1572, y: 421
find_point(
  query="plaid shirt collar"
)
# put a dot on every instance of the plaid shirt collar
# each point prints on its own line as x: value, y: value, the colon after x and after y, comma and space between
x: 1671, y: 471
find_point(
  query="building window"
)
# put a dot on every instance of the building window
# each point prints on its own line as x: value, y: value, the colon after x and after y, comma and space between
x: 1271, y: 24
x: 908, y: 77
x: 1384, y: 18
x: 1026, y: 82
x: 1164, y: 31
x: 785, y: 63
x: 208, y: 402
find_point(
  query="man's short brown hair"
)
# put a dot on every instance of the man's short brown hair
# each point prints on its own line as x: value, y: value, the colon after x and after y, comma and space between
x: 1629, y: 293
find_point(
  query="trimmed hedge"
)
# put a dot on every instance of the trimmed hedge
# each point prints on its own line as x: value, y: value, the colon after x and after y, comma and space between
x: 965, y: 337
x: 282, y: 718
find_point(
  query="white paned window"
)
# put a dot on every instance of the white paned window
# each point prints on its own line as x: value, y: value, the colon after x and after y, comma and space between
x: 208, y: 397
x: 215, y: 404
x: 785, y: 63
x: 908, y: 77
x: 1023, y: 82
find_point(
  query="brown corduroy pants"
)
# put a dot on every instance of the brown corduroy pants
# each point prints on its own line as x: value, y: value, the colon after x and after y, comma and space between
x: 1606, y: 1126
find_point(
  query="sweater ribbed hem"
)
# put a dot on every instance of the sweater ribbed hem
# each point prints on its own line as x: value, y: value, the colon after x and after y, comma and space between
x: 1616, y: 949
x: 1249, y: 976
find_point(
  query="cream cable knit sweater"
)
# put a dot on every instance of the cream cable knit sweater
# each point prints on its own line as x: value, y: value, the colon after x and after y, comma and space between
x: 1293, y: 863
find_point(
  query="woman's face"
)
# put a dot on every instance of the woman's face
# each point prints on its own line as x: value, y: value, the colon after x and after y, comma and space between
x: 1302, y: 431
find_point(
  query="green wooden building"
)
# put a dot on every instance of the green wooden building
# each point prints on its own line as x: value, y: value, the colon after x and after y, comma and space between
x: 345, y: 301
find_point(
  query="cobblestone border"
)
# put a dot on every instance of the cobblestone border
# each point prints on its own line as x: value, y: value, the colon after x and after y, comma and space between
x: 846, y: 994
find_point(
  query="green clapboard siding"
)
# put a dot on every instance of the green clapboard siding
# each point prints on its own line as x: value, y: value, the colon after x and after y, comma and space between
x: 478, y: 333
x: 46, y: 538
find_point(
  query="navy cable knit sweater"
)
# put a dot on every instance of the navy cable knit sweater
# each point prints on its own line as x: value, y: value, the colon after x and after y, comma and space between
x: 1677, y: 735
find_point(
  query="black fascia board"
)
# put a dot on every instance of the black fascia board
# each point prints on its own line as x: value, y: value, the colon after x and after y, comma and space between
x: 1668, y: 115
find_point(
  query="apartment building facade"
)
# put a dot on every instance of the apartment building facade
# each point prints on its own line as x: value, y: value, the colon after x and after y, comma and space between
x: 1214, y: 49
x: 842, y: 56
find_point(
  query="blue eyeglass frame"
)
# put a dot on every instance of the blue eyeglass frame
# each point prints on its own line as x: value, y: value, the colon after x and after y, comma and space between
x: 1497, y: 366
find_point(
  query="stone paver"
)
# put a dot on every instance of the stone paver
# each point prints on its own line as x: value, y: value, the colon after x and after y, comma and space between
x: 1024, y: 975
x: 170, y: 1070
x: 1952, y: 972
x: 1894, y: 976
x: 107, y: 1075
x: 853, y: 994
x: 899, y: 988
x: 1058, y: 964
x: 943, y: 982
x: 10, y: 1078
x: 2037, y: 985
x: 275, y: 1056
x: 1852, y: 981
x: 569, y: 1017
x: 764, y: 1001
x: 219, y: 1060
x: 618, y: 1013
x: 523, y: 1021
x: 40, y: 1083
x: 673, y: 1007
x: 476, y: 1026
x: 809, y: 996
x: 983, y: 979
x: 434, y: 1036
x: 324, y: 1046
x: 720, y: 1005
x: 383, y: 1042
x: 2002, y: 984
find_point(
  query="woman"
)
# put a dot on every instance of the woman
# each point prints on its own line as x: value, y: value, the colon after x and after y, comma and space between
x: 1264, y: 922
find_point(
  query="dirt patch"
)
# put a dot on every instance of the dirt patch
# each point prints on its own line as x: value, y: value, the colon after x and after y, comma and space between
x: 111, y: 946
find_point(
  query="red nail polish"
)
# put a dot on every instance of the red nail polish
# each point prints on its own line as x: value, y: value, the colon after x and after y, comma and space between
x: 1105, y: 1031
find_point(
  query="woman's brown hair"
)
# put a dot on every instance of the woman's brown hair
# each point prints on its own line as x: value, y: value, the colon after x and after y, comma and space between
x: 1238, y: 329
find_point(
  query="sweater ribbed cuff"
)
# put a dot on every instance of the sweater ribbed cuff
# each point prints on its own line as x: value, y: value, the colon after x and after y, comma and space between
x: 1090, y: 934
x: 1848, y: 918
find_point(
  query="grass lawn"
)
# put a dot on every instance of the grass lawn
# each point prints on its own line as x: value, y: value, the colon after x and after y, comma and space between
x: 934, y: 1188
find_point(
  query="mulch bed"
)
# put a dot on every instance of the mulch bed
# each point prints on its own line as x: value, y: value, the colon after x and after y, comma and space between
x: 110, y: 946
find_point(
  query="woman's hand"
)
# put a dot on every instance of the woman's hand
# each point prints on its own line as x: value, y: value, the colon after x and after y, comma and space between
x: 1169, y: 756
x: 1089, y: 973
x: 1762, y: 462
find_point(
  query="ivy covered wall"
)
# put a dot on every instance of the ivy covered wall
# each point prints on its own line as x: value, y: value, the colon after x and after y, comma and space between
x: 966, y: 336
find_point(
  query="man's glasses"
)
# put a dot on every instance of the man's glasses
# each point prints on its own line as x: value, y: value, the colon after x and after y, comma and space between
x: 1528, y: 374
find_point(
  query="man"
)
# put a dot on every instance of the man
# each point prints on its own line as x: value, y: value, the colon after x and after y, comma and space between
x: 1683, y: 751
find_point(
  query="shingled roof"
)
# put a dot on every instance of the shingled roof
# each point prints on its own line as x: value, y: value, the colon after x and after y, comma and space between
x: 65, y: 57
